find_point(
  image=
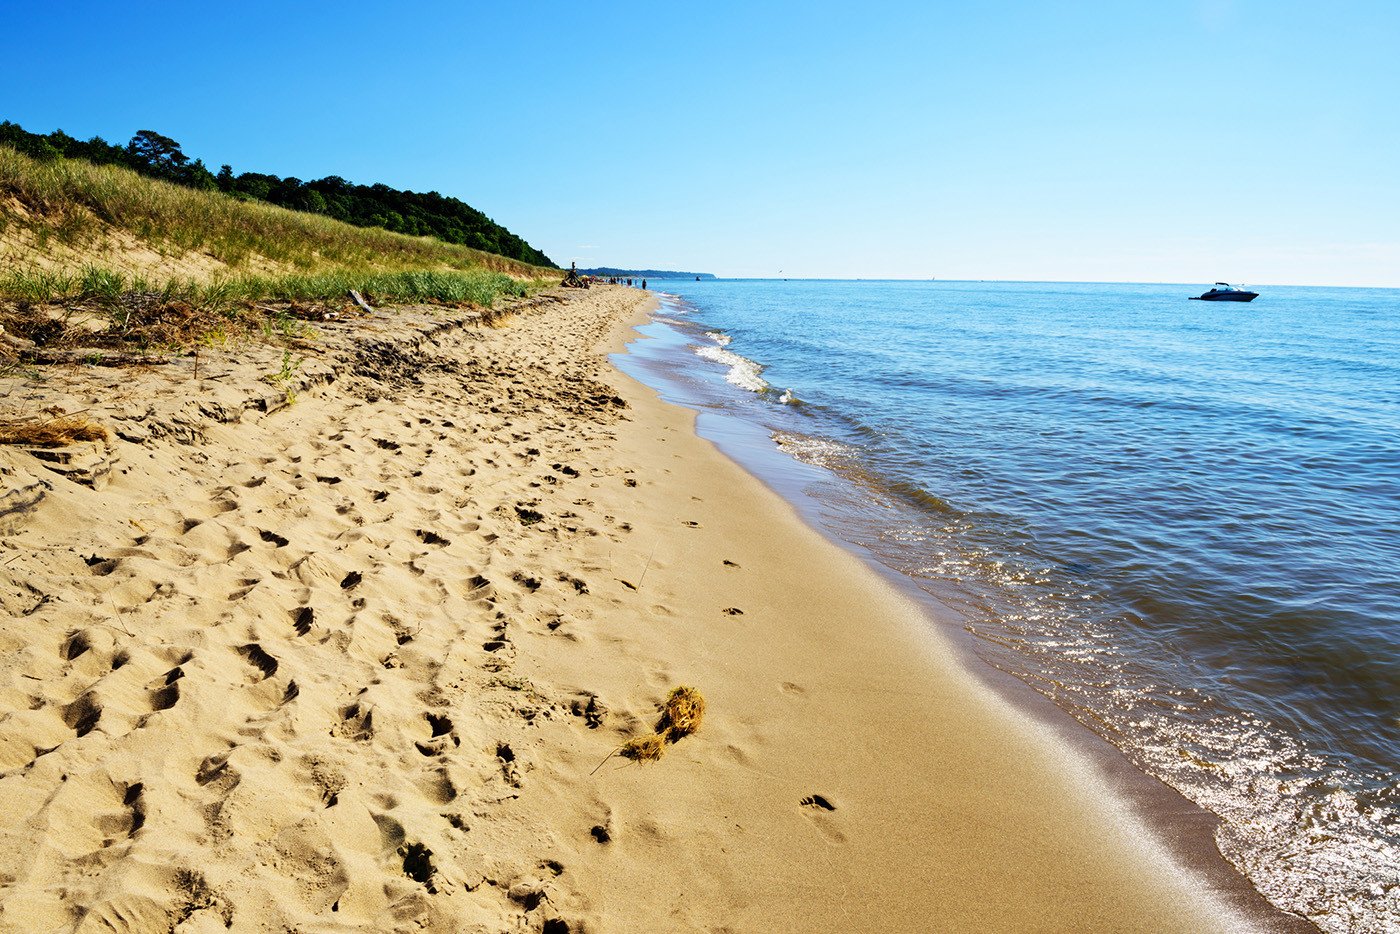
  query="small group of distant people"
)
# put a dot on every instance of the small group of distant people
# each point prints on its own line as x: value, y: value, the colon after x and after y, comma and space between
x: 572, y: 280
x: 618, y: 280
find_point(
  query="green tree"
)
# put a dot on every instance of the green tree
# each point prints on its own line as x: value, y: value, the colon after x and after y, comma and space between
x: 309, y: 199
x: 157, y: 155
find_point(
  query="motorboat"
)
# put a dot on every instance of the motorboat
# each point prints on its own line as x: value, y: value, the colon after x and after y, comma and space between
x: 1225, y: 292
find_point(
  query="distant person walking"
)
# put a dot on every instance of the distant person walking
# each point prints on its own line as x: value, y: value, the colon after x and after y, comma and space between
x: 644, y: 284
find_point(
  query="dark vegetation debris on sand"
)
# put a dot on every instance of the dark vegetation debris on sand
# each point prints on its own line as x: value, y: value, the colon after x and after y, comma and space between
x: 681, y: 715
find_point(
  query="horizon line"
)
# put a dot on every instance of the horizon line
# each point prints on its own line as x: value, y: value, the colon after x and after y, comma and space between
x: 1289, y: 285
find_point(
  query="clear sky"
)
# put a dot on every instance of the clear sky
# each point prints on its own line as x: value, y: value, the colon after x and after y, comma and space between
x: 1142, y: 141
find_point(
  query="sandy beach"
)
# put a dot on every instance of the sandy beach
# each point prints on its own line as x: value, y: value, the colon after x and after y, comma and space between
x: 343, y: 637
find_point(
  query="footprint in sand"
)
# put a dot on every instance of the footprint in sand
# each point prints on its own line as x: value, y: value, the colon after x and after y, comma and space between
x: 78, y: 643
x: 355, y: 723
x: 82, y: 714
x: 245, y: 587
x: 132, y: 799
x: 272, y: 538
x: 818, y: 807
x: 255, y: 656
x: 211, y: 768
x: 443, y: 736
x: 302, y: 619
x: 167, y: 693
x: 429, y: 537
x: 578, y: 585
x: 588, y: 707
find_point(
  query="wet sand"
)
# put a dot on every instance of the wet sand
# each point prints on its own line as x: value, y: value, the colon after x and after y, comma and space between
x: 359, y: 661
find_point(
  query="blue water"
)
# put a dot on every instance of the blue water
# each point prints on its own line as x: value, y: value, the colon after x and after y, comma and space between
x: 1180, y: 520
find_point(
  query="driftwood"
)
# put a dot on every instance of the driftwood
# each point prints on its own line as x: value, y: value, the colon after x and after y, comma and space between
x: 358, y: 299
x: 14, y: 341
x: 572, y: 280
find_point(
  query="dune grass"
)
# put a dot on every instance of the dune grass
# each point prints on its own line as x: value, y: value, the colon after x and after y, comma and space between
x: 241, y: 255
x: 76, y: 203
x: 98, y: 285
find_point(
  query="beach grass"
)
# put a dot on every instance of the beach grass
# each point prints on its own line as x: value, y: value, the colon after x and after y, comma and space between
x: 79, y: 204
x: 99, y: 255
x: 100, y: 285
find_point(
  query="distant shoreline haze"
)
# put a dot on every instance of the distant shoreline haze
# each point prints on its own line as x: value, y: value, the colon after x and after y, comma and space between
x: 646, y: 273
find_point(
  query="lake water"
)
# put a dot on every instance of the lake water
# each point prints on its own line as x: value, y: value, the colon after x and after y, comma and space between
x: 1180, y: 520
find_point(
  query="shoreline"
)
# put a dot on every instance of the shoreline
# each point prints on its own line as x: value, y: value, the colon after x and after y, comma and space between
x: 1184, y: 827
x: 245, y: 690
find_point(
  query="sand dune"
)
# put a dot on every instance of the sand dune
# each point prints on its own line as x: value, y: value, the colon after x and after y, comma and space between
x: 352, y: 662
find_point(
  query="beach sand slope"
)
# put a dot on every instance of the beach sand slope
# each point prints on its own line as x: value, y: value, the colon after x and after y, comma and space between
x: 351, y: 650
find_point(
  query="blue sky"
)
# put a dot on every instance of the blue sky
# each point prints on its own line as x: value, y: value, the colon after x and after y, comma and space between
x: 1169, y: 141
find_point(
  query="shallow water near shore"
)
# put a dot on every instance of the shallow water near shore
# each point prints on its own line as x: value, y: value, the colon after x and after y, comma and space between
x: 1179, y: 520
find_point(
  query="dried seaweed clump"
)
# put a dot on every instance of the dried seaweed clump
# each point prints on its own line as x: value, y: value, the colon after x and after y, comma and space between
x: 51, y: 433
x: 681, y: 714
x: 643, y: 748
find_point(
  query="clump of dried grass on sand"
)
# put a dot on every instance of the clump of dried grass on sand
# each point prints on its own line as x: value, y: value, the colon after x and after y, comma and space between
x: 681, y: 715
x: 51, y: 433
x: 643, y: 748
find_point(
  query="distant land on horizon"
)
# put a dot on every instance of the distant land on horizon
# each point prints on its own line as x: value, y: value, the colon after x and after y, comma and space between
x: 646, y: 273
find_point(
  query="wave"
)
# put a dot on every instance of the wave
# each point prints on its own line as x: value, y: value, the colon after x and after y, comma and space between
x: 743, y: 372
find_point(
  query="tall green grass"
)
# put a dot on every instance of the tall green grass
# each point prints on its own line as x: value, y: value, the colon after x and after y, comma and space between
x: 478, y: 287
x: 100, y: 286
x: 77, y: 203
x: 265, y: 254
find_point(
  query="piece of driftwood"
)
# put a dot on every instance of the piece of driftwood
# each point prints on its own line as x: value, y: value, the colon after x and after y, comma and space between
x: 14, y: 341
x: 572, y: 280
x: 358, y: 299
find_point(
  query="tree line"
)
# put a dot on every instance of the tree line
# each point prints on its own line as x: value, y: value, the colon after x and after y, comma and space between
x: 421, y: 214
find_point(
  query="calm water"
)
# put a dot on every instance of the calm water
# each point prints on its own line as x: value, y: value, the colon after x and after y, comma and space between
x: 1180, y: 520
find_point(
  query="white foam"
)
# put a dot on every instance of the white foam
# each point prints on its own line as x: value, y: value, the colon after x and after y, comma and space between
x: 719, y: 337
x: 743, y: 372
